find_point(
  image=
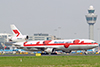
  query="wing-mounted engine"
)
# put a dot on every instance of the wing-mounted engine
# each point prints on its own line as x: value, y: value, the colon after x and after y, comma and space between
x: 66, y: 45
x: 49, y: 50
x: 30, y: 49
x: 68, y: 51
x: 19, y: 38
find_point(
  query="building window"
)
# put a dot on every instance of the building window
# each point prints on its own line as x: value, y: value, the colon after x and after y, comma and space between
x: 91, y: 11
x: 39, y: 37
x: 4, y: 36
x: 95, y: 18
x: 89, y: 18
x: 9, y: 35
x: 48, y: 38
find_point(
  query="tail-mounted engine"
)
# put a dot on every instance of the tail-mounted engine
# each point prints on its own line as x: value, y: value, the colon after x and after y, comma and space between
x: 27, y: 37
x: 19, y: 38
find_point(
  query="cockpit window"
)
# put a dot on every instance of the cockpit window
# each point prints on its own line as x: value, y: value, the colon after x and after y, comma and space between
x: 93, y: 42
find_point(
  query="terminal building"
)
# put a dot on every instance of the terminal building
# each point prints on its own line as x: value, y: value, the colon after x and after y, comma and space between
x: 4, y: 37
x: 41, y: 36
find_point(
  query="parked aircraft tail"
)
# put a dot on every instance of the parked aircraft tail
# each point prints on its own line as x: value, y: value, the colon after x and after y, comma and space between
x: 3, y: 46
x: 17, y: 36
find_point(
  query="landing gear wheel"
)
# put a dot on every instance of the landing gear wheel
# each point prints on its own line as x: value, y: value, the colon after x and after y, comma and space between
x: 85, y: 52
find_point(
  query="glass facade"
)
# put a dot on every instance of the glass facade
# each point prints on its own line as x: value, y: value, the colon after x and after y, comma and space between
x: 91, y: 11
x: 88, y: 18
x: 40, y: 34
x: 91, y: 18
x: 39, y: 37
x: 2, y: 40
x: 5, y: 36
x: 95, y: 18
x: 48, y: 38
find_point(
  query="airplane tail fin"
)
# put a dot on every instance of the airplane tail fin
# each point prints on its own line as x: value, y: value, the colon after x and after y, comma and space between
x: 15, y: 31
x: 3, y: 45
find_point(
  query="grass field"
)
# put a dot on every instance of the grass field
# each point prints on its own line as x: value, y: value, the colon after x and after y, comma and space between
x: 50, y: 61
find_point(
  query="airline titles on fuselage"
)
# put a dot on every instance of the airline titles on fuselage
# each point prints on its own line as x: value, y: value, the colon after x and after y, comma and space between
x: 62, y: 42
x: 48, y: 42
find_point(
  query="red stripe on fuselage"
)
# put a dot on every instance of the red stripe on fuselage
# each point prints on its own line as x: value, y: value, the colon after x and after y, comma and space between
x: 55, y: 44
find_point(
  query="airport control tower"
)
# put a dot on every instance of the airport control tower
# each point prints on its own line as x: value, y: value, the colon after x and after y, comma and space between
x: 91, y: 19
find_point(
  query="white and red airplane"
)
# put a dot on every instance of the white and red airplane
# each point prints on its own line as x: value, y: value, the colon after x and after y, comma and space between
x: 17, y: 36
x: 50, y: 46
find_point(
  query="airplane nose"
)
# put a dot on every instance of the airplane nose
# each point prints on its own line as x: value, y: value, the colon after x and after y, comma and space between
x: 96, y: 45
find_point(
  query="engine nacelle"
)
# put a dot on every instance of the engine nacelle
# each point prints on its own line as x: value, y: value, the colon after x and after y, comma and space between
x: 49, y: 50
x: 68, y: 51
x: 30, y: 49
x: 66, y: 45
x: 19, y: 38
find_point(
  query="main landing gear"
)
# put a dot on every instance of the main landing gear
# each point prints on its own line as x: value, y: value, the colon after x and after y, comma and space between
x: 85, y: 52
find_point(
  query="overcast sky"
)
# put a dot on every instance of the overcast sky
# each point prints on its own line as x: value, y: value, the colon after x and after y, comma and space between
x: 63, y: 18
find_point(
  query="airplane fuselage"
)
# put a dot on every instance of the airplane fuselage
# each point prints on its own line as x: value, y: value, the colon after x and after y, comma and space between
x: 65, y: 45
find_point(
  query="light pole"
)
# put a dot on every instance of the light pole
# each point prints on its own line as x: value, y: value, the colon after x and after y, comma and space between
x: 75, y: 34
x: 98, y: 34
x: 59, y: 31
x: 98, y: 37
x: 55, y: 30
